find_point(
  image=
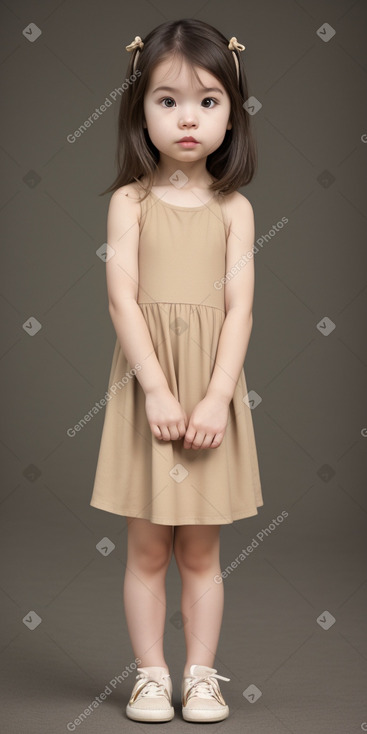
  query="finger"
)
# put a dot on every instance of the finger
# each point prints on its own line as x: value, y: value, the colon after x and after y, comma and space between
x: 156, y: 431
x: 217, y: 440
x: 198, y: 440
x: 165, y: 433
x: 174, y: 433
x: 207, y: 443
x: 181, y: 428
x: 189, y: 437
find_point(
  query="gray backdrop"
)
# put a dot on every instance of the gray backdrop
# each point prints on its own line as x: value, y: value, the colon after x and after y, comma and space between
x: 293, y: 639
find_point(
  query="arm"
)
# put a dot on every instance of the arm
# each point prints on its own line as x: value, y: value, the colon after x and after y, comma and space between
x: 239, y: 293
x: 209, y: 418
x: 122, y: 286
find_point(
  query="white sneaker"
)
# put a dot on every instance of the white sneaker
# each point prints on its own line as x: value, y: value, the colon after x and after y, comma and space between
x: 151, y: 697
x: 201, y: 696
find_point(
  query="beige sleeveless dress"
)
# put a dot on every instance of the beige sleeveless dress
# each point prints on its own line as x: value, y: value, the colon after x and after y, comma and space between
x: 182, y: 254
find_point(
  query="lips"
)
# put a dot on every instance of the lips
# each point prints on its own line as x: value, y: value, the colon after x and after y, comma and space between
x: 187, y: 140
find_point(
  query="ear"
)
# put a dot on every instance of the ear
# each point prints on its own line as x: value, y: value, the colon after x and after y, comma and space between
x: 229, y: 126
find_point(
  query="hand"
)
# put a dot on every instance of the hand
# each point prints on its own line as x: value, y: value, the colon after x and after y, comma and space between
x: 167, y: 418
x: 207, y: 423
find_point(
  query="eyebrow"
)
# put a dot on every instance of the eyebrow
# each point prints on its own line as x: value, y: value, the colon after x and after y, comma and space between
x: 172, y: 89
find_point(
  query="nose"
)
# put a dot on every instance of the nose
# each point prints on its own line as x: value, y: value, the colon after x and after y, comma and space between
x: 188, y: 119
x: 188, y: 124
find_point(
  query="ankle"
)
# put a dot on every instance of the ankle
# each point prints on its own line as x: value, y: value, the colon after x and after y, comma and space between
x: 155, y: 665
x: 186, y: 671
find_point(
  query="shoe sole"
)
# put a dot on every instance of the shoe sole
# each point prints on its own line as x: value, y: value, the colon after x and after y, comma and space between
x: 152, y: 715
x: 198, y: 715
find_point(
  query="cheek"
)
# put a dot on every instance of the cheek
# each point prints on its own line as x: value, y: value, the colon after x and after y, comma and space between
x: 158, y: 130
x: 159, y: 122
x: 152, y: 113
x: 226, y: 111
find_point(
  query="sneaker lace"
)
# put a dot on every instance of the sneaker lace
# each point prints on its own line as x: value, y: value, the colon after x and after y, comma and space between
x: 206, y: 686
x: 152, y: 688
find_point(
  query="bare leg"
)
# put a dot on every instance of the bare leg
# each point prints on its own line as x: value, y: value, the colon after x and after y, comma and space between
x: 149, y: 554
x: 196, y: 549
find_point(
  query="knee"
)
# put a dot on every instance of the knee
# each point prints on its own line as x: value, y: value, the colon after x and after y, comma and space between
x: 198, y: 557
x: 151, y: 557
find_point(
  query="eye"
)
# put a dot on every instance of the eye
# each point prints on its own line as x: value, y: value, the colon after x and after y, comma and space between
x: 204, y: 100
x: 165, y: 98
x: 212, y: 99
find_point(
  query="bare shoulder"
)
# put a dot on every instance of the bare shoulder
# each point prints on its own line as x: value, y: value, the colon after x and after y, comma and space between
x: 123, y: 216
x: 126, y: 198
x: 239, y: 209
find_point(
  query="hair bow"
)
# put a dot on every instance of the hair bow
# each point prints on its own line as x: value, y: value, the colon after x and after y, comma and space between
x: 234, y: 45
x: 136, y: 43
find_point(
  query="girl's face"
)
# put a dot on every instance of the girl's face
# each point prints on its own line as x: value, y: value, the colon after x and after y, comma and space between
x: 182, y: 108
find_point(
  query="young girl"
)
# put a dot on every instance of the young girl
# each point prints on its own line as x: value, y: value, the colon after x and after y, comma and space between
x: 177, y: 454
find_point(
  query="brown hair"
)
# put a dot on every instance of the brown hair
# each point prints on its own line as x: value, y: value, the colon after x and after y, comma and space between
x: 233, y: 164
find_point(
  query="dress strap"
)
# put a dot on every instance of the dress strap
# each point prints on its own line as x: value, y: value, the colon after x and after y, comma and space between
x: 225, y: 215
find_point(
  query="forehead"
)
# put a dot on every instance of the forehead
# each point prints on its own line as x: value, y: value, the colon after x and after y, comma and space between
x: 179, y: 73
